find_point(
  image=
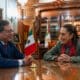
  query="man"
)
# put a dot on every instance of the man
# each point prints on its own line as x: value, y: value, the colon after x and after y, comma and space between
x: 10, y: 56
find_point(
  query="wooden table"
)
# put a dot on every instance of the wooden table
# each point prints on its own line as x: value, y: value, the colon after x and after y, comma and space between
x: 43, y: 70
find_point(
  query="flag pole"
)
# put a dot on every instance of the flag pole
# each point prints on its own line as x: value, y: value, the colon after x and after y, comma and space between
x: 47, y: 36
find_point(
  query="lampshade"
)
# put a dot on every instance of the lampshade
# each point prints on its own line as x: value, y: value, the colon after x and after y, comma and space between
x: 22, y: 2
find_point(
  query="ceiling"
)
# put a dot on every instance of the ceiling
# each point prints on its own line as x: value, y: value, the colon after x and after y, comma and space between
x: 46, y: 1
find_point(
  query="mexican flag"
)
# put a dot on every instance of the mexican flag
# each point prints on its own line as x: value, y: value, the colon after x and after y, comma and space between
x: 30, y: 46
x: 47, y: 39
x: 47, y: 36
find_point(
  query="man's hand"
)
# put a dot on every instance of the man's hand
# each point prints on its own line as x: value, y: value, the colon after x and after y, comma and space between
x: 28, y: 60
x: 63, y: 58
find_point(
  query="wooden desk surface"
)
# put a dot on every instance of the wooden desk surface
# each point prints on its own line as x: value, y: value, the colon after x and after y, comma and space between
x: 43, y: 71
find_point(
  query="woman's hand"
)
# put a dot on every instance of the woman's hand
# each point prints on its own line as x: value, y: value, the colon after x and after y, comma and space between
x: 63, y: 58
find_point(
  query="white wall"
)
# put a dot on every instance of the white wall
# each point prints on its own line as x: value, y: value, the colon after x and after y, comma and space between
x: 10, y: 11
x: 9, y: 8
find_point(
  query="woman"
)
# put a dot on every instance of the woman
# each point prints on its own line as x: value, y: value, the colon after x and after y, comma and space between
x: 68, y: 47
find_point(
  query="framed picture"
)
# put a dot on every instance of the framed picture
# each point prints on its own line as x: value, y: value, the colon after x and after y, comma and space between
x: 16, y: 38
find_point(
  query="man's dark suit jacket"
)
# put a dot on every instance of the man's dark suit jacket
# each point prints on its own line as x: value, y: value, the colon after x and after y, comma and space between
x: 9, y: 55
